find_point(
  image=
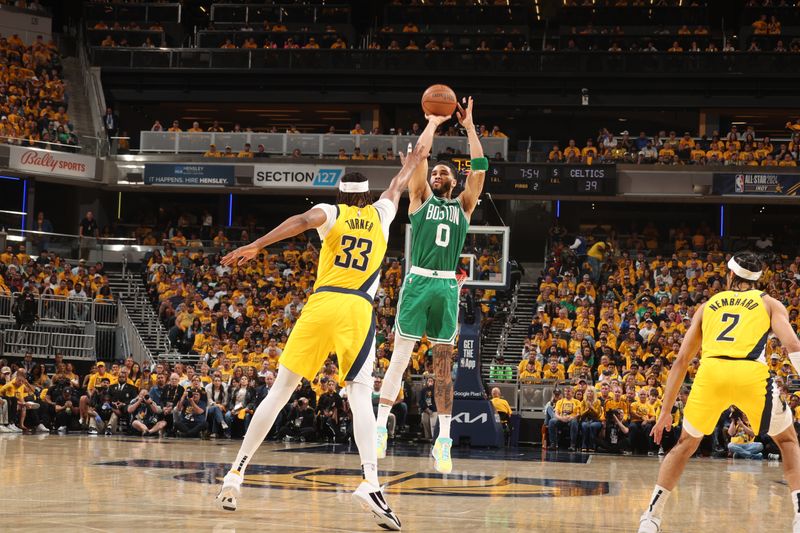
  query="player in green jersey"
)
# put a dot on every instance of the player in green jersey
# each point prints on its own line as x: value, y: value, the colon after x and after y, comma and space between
x: 428, y: 303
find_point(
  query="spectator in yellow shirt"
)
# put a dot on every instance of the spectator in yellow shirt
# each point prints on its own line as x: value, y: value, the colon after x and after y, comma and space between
x: 175, y: 127
x: 555, y: 155
x: 567, y: 410
x: 246, y: 153
x: 643, y: 417
x: 572, y: 151
x: 357, y: 130
x: 500, y: 404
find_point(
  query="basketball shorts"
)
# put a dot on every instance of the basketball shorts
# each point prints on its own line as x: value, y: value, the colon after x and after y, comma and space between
x: 333, y: 322
x: 747, y: 384
x: 428, y: 307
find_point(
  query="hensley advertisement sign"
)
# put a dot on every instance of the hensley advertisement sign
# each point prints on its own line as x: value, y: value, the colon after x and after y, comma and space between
x: 188, y: 174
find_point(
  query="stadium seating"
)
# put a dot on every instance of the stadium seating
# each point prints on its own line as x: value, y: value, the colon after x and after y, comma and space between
x: 34, y: 113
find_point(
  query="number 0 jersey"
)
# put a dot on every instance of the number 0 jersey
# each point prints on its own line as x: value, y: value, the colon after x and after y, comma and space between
x: 353, y: 245
x: 735, y: 325
x: 438, y: 231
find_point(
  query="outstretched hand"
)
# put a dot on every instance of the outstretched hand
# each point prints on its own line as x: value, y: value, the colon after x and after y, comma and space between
x: 663, y: 423
x: 464, y: 115
x: 438, y: 120
x: 413, y: 158
x: 240, y: 255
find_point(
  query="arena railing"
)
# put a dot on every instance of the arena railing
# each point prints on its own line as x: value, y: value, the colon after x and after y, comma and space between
x: 127, y: 12
x: 320, y: 145
x: 64, y: 309
x: 47, y: 344
x: 258, y: 13
x: 68, y: 246
x: 450, y: 61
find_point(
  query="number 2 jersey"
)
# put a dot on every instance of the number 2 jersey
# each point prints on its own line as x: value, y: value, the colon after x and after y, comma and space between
x: 438, y: 231
x: 736, y: 325
x: 353, y: 245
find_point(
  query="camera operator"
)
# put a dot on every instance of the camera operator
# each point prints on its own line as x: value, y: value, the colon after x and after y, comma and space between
x: 100, y: 408
x: 616, y: 432
x: 742, y: 444
x: 328, y: 407
x: 66, y: 409
x: 145, y: 414
x: 171, y: 394
x: 192, y: 409
x: 121, y: 395
x: 24, y: 309
x: 300, y: 422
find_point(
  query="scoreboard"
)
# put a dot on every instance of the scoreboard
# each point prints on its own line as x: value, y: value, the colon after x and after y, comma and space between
x: 552, y: 179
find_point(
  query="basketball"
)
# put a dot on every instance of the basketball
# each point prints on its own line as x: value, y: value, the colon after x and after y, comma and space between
x: 439, y: 100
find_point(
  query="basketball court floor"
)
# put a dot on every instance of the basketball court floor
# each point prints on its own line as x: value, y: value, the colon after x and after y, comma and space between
x: 82, y: 483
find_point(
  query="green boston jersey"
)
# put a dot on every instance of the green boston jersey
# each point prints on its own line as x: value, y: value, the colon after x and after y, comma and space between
x: 438, y: 231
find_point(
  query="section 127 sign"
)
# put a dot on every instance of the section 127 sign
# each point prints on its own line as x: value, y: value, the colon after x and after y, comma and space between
x: 199, y: 174
x: 756, y: 184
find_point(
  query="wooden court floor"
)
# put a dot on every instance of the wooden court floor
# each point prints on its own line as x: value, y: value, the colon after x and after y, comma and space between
x: 82, y: 483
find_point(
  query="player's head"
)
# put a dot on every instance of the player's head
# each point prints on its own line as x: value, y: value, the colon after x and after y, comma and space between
x: 744, y: 271
x: 354, y: 190
x: 443, y: 179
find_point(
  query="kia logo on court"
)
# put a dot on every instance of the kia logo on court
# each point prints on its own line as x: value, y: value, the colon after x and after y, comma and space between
x: 464, y: 418
x: 47, y: 160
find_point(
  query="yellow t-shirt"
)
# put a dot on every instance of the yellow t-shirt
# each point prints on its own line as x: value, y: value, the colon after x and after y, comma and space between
x: 565, y: 407
x: 501, y: 406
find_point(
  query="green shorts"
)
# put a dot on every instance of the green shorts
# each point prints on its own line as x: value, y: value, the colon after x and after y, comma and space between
x: 428, y: 307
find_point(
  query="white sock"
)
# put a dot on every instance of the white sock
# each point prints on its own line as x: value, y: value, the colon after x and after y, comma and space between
x: 393, y: 379
x: 796, y: 501
x: 370, y: 471
x: 444, y: 426
x: 360, y: 398
x: 265, y: 416
x: 657, y: 501
x: 383, y: 415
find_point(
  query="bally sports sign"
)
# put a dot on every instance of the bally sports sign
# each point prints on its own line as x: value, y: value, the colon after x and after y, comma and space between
x: 297, y: 176
x: 51, y: 163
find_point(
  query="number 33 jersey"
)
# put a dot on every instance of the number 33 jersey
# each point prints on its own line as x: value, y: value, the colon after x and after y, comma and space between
x: 353, y: 245
x: 735, y: 325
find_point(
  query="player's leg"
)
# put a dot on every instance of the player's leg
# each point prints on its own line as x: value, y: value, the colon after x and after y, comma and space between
x: 262, y: 421
x: 412, y: 315
x: 355, y: 349
x: 306, y: 350
x: 441, y: 327
x: 392, y: 381
x: 777, y: 421
x: 709, y: 397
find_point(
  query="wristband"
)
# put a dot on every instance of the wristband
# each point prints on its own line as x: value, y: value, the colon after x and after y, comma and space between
x: 479, y: 163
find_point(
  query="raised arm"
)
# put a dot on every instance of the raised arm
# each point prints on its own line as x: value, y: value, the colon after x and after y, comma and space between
x: 475, y: 178
x: 294, y: 225
x: 418, y: 187
x: 411, y: 164
x: 689, y: 348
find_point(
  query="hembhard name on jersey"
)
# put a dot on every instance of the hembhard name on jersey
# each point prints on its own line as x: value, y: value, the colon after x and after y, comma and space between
x: 747, y: 303
x: 444, y: 212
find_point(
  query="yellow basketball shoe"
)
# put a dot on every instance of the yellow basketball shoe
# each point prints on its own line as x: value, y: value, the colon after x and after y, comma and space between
x: 441, y: 455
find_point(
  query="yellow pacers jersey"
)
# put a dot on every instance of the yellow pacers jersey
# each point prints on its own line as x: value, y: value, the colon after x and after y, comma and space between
x: 735, y: 325
x: 353, y: 250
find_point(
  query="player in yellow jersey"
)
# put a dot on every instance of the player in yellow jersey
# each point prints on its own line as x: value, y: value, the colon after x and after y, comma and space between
x: 338, y: 318
x: 731, y: 328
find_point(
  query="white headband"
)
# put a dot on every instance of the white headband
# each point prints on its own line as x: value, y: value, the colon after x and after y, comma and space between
x: 354, y: 186
x: 743, y: 272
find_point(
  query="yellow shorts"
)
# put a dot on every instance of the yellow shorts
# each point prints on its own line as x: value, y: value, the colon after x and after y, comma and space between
x: 744, y: 383
x: 333, y: 322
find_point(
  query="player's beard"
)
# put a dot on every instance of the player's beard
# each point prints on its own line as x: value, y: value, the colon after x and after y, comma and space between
x: 444, y: 190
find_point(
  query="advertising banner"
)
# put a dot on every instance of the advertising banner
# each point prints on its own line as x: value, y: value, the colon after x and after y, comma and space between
x: 188, y: 174
x: 51, y: 163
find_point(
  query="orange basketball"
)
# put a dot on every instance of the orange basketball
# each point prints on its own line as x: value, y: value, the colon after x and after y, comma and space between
x: 439, y: 100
